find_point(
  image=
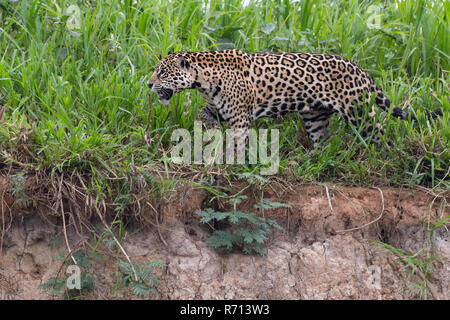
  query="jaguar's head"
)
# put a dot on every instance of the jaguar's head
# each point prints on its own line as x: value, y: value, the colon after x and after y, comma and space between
x: 172, y: 74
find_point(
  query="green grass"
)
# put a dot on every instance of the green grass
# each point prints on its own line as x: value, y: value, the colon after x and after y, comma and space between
x: 75, y: 101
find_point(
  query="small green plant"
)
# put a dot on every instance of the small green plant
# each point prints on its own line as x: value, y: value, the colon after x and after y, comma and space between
x: 107, y: 235
x: 57, y: 284
x: 419, y: 265
x: 55, y: 241
x: 415, y: 264
x: 18, y: 188
x: 146, y: 279
x: 249, y: 232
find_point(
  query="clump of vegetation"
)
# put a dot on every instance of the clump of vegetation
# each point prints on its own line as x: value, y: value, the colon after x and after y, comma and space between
x: 141, y: 280
x: 419, y: 265
x: 146, y: 279
x: 18, y: 182
x: 59, y: 284
x: 248, y: 231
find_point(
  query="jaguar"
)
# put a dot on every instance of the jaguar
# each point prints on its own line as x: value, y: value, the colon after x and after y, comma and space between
x: 240, y: 87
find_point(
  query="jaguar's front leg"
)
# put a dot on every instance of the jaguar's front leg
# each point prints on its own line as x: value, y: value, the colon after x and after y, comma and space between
x: 240, y: 125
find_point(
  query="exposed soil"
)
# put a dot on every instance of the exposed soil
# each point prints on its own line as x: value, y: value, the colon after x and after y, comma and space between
x: 326, y: 250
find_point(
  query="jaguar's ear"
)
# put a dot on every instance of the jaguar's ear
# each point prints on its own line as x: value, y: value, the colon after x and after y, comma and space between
x: 183, y: 63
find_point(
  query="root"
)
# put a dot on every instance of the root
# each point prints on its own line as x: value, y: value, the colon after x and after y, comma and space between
x: 117, y: 242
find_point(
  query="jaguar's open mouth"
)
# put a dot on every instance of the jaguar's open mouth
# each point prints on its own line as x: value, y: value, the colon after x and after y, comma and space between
x: 164, y: 95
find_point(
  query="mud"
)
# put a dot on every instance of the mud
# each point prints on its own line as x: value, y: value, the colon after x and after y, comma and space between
x: 327, y: 249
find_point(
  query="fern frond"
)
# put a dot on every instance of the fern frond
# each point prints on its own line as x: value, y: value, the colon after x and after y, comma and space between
x: 223, y: 239
x: 266, y: 204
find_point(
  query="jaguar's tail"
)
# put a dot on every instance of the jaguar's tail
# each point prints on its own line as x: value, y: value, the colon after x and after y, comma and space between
x: 383, y: 102
x: 399, y: 113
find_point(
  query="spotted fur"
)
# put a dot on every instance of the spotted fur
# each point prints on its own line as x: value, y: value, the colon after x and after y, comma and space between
x: 241, y: 87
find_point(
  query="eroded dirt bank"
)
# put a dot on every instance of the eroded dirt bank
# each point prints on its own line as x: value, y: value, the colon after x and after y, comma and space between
x: 314, y: 257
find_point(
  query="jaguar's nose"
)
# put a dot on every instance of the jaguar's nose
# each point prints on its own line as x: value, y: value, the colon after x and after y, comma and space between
x: 149, y: 84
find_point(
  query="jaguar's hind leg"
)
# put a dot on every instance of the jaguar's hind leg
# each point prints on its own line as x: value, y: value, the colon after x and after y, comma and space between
x: 354, y: 114
x: 316, y: 124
